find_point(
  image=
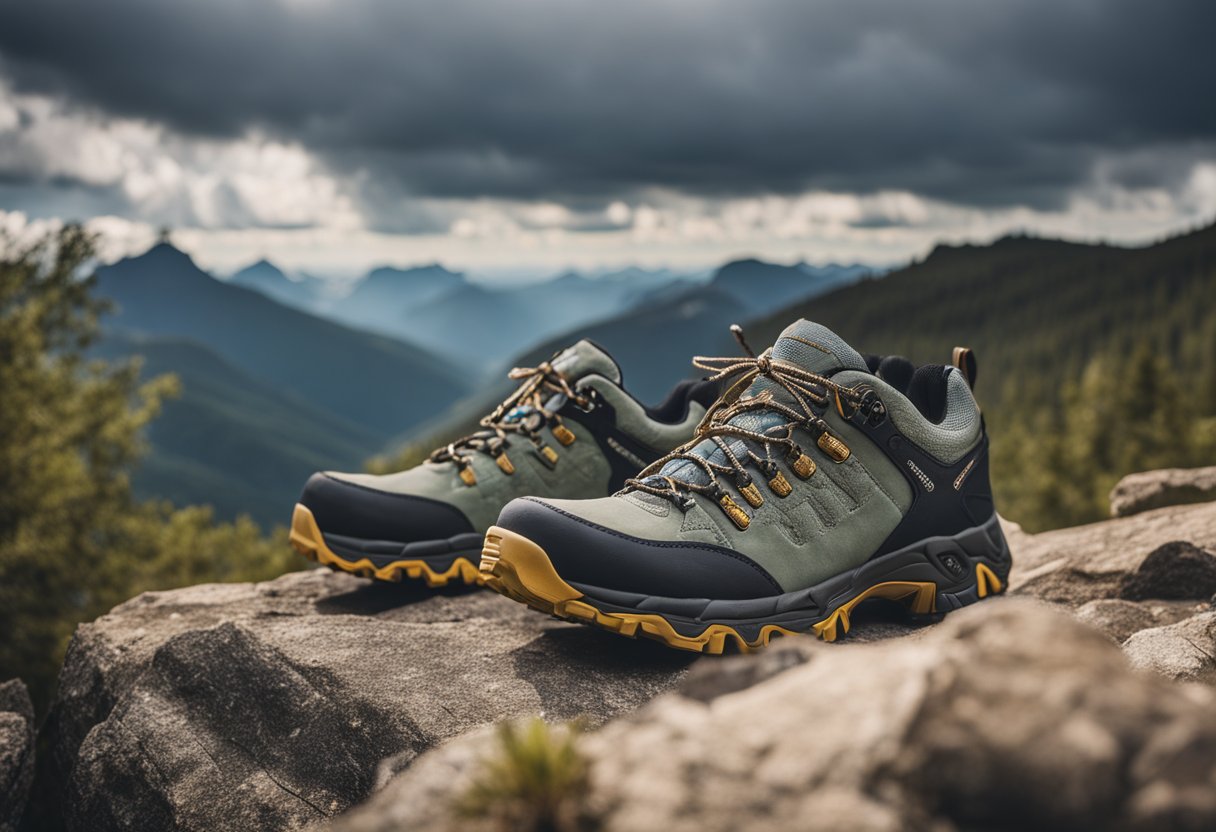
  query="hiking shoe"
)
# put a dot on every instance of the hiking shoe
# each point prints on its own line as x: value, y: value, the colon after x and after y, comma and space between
x: 813, y: 486
x: 569, y: 430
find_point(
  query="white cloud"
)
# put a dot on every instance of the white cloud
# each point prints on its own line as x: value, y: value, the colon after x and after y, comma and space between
x: 157, y: 176
x: 232, y: 201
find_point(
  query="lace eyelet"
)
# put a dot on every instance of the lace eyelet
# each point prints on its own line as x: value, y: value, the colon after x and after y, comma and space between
x: 591, y: 400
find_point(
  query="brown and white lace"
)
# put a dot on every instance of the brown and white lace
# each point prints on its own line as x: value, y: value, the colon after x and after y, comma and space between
x: 808, y: 390
x: 523, y: 413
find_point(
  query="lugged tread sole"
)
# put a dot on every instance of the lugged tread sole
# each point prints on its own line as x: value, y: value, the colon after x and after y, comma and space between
x: 306, y: 539
x: 518, y: 568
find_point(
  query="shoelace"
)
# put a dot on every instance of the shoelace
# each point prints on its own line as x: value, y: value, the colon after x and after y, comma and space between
x: 523, y: 413
x: 808, y: 390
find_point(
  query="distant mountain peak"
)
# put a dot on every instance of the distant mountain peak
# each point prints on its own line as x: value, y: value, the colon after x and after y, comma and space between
x: 164, y: 251
x: 165, y: 259
x: 262, y: 268
x: 428, y: 270
x: 745, y: 262
x: 570, y: 277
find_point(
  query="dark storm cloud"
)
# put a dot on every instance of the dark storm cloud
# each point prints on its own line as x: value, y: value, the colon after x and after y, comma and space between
x: 975, y: 101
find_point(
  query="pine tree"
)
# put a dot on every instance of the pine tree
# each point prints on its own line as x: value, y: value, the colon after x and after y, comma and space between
x: 73, y: 542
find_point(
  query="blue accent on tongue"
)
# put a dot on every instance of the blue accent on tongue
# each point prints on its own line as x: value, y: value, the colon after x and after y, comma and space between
x: 812, y: 347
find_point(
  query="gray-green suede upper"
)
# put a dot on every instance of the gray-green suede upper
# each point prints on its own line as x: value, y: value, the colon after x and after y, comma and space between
x: 832, y: 521
x: 581, y: 471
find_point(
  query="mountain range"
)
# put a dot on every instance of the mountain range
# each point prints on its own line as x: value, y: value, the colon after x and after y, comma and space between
x: 281, y: 376
x: 379, y: 301
x: 374, y: 381
x: 302, y: 292
x: 428, y: 305
x: 655, y: 341
x: 762, y: 287
x: 1035, y: 308
x: 270, y: 393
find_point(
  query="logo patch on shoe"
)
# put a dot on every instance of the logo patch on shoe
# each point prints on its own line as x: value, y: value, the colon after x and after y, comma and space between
x: 958, y: 481
x: 952, y: 565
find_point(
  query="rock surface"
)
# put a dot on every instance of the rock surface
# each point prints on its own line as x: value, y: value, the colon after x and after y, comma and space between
x: 1073, y: 566
x: 991, y: 720
x: 271, y: 706
x: 281, y: 705
x: 1169, y: 487
x: 1177, y: 571
x: 16, y: 752
x: 1119, y: 619
x: 1185, y: 650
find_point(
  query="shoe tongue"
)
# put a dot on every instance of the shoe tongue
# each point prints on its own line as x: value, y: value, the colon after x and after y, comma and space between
x: 586, y: 358
x: 816, y: 348
x: 811, y: 346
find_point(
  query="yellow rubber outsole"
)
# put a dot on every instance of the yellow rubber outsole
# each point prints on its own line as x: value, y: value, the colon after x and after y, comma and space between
x: 307, y: 540
x: 518, y: 568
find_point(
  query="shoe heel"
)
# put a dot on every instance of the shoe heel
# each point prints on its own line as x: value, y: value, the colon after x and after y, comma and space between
x: 983, y: 553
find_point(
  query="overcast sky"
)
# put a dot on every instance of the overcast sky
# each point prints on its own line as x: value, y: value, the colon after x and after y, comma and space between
x: 538, y: 134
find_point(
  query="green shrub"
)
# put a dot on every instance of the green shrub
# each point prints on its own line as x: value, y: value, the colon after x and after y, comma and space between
x: 73, y: 541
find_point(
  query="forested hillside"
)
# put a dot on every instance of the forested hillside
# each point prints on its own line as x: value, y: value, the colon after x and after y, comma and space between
x: 1035, y: 308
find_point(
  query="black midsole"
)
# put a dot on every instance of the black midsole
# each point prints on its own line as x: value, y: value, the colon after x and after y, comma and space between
x: 439, y: 555
x: 948, y: 562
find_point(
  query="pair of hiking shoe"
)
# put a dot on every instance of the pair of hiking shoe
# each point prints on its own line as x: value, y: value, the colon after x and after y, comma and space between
x: 771, y: 497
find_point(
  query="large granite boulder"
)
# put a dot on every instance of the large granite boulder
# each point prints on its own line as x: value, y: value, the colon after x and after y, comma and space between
x: 1168, y: 487
x: 274, y: 705
x: 992, y: 720
x: 16, y: 752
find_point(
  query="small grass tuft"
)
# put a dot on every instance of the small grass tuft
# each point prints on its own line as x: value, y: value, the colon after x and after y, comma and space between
x: 535, y: 780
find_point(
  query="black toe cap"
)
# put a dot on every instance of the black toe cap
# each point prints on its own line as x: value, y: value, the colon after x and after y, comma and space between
x: 352, y: 510
x: 585, y: 553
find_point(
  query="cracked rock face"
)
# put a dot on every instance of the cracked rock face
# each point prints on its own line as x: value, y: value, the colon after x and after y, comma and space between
x: 16, y: 752
x: 272, y: 706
